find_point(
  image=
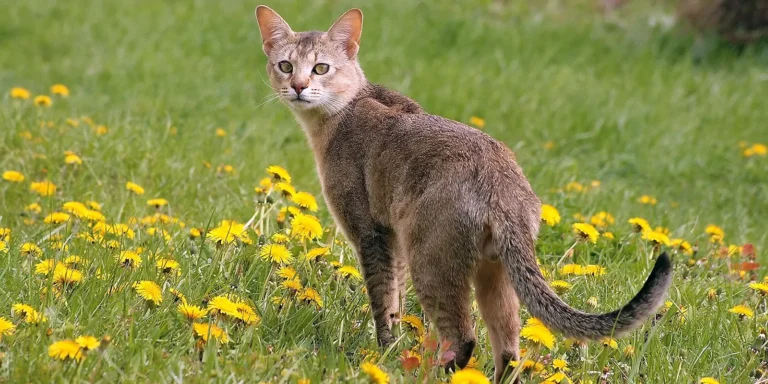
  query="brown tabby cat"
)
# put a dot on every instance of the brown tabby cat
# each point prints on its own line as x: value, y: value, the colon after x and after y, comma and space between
x: 413, y: 190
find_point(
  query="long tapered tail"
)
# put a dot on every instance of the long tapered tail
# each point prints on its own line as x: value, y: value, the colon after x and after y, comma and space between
x: 517, y: 255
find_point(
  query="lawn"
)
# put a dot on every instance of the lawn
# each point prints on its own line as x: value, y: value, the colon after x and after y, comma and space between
x: 611, y: 117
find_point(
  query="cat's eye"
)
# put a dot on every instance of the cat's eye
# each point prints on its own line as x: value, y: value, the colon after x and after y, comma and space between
x: 321, y: 69
x: 285, y: 66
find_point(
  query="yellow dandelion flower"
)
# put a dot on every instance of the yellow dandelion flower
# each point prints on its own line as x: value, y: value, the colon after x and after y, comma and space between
x: 43, y: 101
x: 538, y: 334
x: 246, y: 314
x: 287, y: 273
x: 560, y: 286
x: 177, y: 295
x: 759, y: 149
x: 34, y: 207
x: 192, y: 312
x: 135, y: 188
x: 708, y: 380
x: 88, y: 342
x: 743, y: 311
x: 20, y: 93
x: 65, y: 275
x: 13, y: 176
x: 374, y: 373
x: 206, y: 330
x: 228, y: 232
x: 157, y: 203
x: 586, y: 231
x: 762, y: 288
x: 648, y: 200
x: 609, y: 235
x: 220, y: 132
x: 276, y: 253
x: 195, y: 232
x: 280, y: 238
x: 265, y: 183
x: 31, y: 249
x: 414, y: 322
x: 602, y: 219
x: 469, y: 376
x: 609, y: 342
x: 311, y: 296
x: 130, y: 259
x: 285, y: 189
x: 60, y: 90
x: 149, y: 291
x: 629, y: 351
x: 574, y: 186
x: 304, y: 381
x: 716, y: 234
x: 561, y: 365
x: 306, y: 227
x: 286, y: 212
x: 315, y: 253
x: 168, y: 266
x: 657, y: 238
x: 56, y: 218
x: 305, y: 200
x: 73, y: 159
x: 66, y: 349
x: 550, y: 215
x: 477, y: 122
x: 557, y: 378
x: 292, y: 284
x: 571, y: 269
x: 6, y: 327
x: 279, y: 173
x: 31, y: 315
x: 222, y: 304
x: 639, y: 224
x: 682, y: 246
x: 349, y: 272
x: 43, y: 188
x: 45, y: 267
x: 528, y: 365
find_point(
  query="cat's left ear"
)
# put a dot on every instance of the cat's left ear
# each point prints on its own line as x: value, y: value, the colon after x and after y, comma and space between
x: 272, y: 27
x: 348, y: 29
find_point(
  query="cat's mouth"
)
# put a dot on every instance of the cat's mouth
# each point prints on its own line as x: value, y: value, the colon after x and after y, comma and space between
x: 300, y: 100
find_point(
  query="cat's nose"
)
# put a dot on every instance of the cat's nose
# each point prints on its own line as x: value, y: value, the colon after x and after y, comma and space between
x: 299, y: 88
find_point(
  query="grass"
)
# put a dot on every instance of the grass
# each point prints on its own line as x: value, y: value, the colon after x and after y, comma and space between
x: 623, y: 103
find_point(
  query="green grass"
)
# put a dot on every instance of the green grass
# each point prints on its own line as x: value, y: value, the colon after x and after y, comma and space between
x: 624, y: 103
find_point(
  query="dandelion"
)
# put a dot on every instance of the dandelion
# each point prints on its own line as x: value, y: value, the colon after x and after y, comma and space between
x: 609, y: 342
x: 560, y: 365
x: 561, y: 286
x: 149, y: 291
x: 205, y: 330
x: 469, y: 376
x: 306, y: 227
x: 60, y: 90
x: 192, y: 312
x: 586, y: 231
x: 682, y: 246
x: 88, y: 342
x: 414, y: 322
x: 648, y: 200
x: 574, y: 186
x: 135, y: 188
x: 6, y: 327
x: 657, y: 238
x: 223, y: 305
x: 276, y: 253
x: 315, y: 253
x: 20, y: 93
x: 292, y: 285
x: 228, y: 232
x: 43, y: 188
x: 285, y: 189
x: 73, y: 159
x: 708, y: 380
x: 761, y: 288
x: 279, y: 173
x: 557, y: 378
x: 66, y: 349
x: 157, y: 203
x: 548, y: 145
x: 311, y: 296
x: 602, y: 219
x: 374, y: 373
x: 639, y: 224
x: 177, y: 295
x: 43, y: 101
x: 743, y: 311
x: 34, y: 208
x: 528, y: 365
x: 286, y: 212
x: 65, y: 275
x: 280, y: 238
x: 716, y: 234
x: 593, y: 270
x: 13, y: 176
x: 305, y: 200
x: 130, y: 259
x: 31, y: 249
x: 349, y: 271
x: 168, y: 266
x: 550, y: 215
x: 220, y: 132
x: 287, y: 273
x: 56, y: 218
x: 536, y: 332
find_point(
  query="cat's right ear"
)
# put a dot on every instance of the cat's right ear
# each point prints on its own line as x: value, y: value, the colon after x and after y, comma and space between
x: 272, y: 27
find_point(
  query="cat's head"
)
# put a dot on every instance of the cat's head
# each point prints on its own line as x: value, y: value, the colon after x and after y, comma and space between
x: 313, y: 72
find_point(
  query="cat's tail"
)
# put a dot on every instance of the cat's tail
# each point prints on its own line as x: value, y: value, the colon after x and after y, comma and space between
x: 517, y: 254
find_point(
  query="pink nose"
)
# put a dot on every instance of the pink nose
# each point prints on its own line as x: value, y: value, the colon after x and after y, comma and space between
x: 299, y: 88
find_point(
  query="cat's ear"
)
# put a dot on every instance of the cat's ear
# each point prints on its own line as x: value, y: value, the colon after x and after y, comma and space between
x: 348, y: 29
x: 272, y: 27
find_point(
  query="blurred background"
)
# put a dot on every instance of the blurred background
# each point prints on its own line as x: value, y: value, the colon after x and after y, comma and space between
x: 646, y: 97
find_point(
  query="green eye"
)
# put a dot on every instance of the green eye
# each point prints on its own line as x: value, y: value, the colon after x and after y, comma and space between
x: 285, y: 66
x: 320, y: 69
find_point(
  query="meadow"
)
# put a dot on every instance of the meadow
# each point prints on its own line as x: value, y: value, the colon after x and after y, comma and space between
x: 161, y: 220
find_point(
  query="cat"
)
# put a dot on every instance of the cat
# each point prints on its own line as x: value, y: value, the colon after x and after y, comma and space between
x: 414, y: 191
